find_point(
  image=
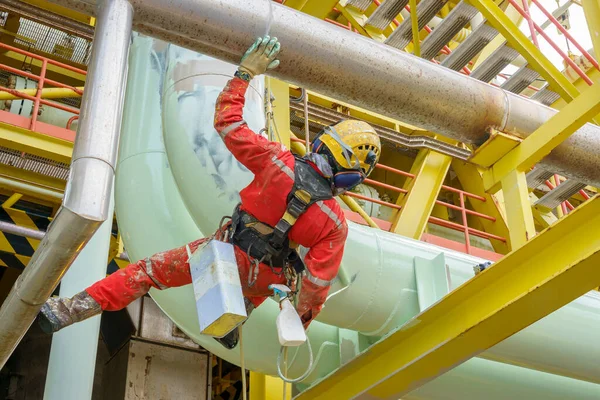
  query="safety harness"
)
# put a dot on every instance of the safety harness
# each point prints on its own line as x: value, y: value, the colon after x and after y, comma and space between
x: 271, y: 245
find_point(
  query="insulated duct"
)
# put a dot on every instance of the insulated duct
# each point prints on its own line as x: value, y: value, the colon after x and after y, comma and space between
x: 338, y: 63
x: 86, y: 201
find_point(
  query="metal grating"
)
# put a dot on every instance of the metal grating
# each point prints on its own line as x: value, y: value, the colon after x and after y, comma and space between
x: 426, y: 10
x: 472, y: 45
x: 545, y: 96
x: 520, y: 80
x: 385, y: 13
x: 361, y: 5
x: 447, y: 29
x: 29, y: 162
x: 560, y: 193
x: 537, y: 176
x: 33, y: 35
x: 495, y: 63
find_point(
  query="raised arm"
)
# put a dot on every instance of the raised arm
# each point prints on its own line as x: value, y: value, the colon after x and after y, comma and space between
x: 247, y: 147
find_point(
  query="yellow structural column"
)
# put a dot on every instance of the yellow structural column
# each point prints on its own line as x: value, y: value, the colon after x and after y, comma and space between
x: 471, y: 180
x: 8, y: 203
x: 264, y: 387
x: 279, y: 124
x: 521, y: 226
x: 430, y: 169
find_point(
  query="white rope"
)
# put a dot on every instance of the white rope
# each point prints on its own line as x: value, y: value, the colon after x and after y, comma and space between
x: 305, y: 374
x: 242, y: 366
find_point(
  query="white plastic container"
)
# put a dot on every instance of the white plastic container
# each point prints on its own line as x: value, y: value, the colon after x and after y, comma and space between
x: 289, y: 325
x: 217, y: 288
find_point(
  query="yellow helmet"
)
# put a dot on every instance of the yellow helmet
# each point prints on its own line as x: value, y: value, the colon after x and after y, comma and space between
x: 352, y: 144
x: 352, y: 149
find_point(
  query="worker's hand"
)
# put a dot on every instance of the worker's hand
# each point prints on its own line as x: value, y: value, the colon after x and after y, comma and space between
x: 261, y: 56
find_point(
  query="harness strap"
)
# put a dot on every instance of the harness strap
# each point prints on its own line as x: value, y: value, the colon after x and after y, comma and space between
x: 297, y: 205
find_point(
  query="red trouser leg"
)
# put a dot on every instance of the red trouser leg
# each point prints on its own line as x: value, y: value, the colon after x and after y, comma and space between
x: 162, y: 270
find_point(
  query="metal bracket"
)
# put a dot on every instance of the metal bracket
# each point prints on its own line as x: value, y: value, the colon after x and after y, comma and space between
x: 433, y: 280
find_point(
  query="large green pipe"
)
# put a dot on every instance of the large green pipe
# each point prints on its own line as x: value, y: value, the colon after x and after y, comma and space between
x: 151, y: 183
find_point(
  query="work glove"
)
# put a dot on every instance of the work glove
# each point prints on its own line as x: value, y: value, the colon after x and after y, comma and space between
x: 260, y: 57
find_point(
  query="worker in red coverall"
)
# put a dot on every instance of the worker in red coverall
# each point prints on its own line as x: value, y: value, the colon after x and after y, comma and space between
x: 342, y: 157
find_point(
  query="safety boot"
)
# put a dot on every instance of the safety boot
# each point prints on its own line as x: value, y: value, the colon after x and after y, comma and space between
x: 59, y: 312
x: 230, y: 340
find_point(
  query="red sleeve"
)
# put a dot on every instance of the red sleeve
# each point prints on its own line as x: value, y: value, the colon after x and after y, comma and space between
x: 252, y: 150
x: 322, y: 265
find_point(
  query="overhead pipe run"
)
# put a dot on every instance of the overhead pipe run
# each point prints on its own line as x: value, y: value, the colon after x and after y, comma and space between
x: 338, y: 63
x: 86, y: 202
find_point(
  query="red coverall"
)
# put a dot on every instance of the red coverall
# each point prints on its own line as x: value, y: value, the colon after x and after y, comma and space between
x: 322, y: 228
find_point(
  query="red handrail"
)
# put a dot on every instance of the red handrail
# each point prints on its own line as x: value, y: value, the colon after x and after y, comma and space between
x: 43, y: 81
x: 566, y: 33
x: 71, y: 120
x: 465, y: 212
x: 551, y: 43
x: 530, y: 23
x: 42, y: 58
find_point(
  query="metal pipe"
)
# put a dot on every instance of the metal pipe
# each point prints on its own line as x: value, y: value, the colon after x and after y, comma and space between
x: 374, y: 76
x: 7, y: 227
x: 306, y: 122
x: 47, y: 93
x: 18, y: 230
x: 48, y: 18
x: 27, y: 188
x: 86, y: 202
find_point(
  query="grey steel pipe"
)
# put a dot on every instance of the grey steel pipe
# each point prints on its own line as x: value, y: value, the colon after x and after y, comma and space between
x: 48, y: 18
x: 7, y: 227
x: 85, y: 205
x: 18, y: 230
x: 338, y: 63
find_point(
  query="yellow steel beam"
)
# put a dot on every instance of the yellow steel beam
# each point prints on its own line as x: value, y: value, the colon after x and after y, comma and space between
x: 541, y: 142
x: 517, y: 39
x: 64, y: 11
x: 35, y: 143
x: 519, y: 217
x: 518, y: 290
x: 50, y: 67
x: 280, y: 122
x: 8, y: 203
x: 430, y: 169
x: 471, y: 180
x: 24, y: 176
x: 541, y: 215
x: 358, y: 21
x: 493, y: 149
x: 591, y: 9
x: 318, y: 8
x: 47, y: 93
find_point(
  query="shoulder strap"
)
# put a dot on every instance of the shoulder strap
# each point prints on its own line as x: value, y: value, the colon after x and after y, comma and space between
x: 309, y: 187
